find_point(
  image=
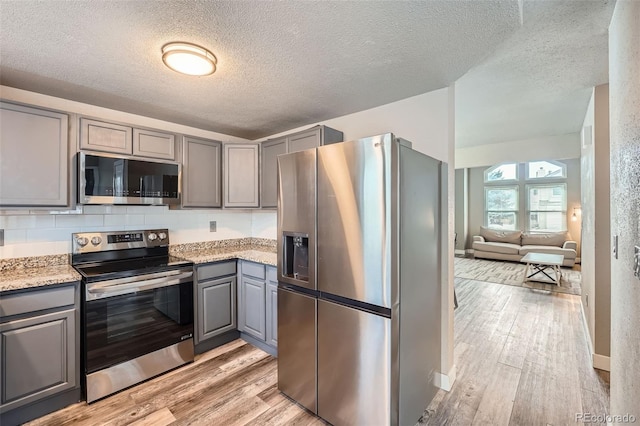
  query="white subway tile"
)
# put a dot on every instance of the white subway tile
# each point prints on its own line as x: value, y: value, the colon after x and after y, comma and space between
x: 35, y: 249
x: 15, y: 236
x: 115, y: 219
x: 147, y: 209
x: 29, y: 222
x: 95, y: 209
x: 71, y: 221
x: 45, y: 235
x: 135, y: 219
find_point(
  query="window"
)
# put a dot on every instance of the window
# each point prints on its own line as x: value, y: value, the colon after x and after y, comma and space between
x: 501, y: 207
x: 501, y: 173
x: 547, y: 207
x: 546, y: 170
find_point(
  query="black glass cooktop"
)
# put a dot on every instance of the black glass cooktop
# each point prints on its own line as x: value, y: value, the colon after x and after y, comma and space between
x: 100, y: 271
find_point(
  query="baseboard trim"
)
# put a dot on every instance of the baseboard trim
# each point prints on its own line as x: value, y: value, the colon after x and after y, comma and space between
x: 470, y: 251
x: 601, y: 362
x: 445, y: 381
x: 459, y: 252
x: 578, y: 260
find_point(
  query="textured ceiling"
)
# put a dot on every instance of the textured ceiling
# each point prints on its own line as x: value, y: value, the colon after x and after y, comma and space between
x: 538, y: 82
x: 280, y: 64
x: 283, y: 65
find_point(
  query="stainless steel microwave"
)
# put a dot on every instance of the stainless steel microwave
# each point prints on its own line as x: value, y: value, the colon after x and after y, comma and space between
x: 112, y: 179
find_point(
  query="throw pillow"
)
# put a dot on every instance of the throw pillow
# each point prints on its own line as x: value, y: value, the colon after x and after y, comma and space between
x: 499, y: 236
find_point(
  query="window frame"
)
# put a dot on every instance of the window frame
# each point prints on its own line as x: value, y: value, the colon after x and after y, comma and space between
x: 527, y: 166
x: 501, y: 181
x: 516, y: 212
x: 563, y: 211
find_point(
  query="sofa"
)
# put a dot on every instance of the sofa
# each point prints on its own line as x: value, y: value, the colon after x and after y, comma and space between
x: 513, y: 245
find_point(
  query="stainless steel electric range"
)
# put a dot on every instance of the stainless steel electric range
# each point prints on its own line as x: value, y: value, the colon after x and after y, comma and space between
x: 137, y: 308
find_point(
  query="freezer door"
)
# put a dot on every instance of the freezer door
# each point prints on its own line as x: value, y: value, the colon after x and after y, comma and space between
x: 297, y: 347
x: 354, y: 220
x: 354, y: 366
x: 297, y: 218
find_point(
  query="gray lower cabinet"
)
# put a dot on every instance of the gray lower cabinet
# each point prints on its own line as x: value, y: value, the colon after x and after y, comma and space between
x: 241, y: 175
x: 34, y: 162
x: 257, y: 304
x: 39, y: 352
x: 215, y: 299
x: 272, y: 307
x: 299, y: 141
x: 201, y: 173
x: 253, y: 319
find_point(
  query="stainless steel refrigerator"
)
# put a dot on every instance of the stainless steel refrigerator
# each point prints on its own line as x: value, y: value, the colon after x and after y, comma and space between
x: 359, y: 282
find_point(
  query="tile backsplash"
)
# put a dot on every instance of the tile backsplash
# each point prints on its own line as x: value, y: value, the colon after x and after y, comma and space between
x: 37, y: 233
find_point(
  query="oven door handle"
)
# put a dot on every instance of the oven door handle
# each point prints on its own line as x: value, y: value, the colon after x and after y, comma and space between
x: 141, y: 285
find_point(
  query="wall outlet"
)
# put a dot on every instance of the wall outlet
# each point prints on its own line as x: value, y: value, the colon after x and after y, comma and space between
x: 614, y: 246
x: 1, y: 237
x: 636, y: 262
x: 212, y: 226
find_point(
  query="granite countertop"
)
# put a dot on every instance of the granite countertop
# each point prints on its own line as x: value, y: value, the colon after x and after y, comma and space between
x: 255, y: 253
x: 40, y: 271
x: 20, y: 273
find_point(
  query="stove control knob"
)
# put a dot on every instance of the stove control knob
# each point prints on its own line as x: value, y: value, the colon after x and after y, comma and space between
x: 152, y: 236
x: 96, y: 241
x: 162, y: 236
x: 82, y: 241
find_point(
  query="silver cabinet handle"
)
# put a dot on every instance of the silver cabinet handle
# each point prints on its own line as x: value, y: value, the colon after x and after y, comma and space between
x: 141, y: 285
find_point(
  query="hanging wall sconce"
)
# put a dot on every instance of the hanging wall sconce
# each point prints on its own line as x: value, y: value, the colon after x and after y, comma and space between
x: 574, y: 216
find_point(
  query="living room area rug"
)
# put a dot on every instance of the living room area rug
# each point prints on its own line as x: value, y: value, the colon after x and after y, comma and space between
x: 512, y: 273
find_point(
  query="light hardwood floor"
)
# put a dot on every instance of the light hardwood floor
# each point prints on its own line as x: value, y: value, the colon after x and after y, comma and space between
x: 521, y: 355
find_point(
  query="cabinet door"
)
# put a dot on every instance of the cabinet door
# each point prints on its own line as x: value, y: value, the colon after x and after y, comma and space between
x: 201, y: 173
x: 33, y: 157
x: 272, y: 311
x: 100, y: 136
x: 216, y: 307
x: 269, y: 178
x: 241, y: 183
x: 147, y: 143
x: 305, y: 140
x: 252, y: 314
x: 38, y: 357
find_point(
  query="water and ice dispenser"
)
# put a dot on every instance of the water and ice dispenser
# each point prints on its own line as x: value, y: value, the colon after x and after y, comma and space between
x: 295, y: 262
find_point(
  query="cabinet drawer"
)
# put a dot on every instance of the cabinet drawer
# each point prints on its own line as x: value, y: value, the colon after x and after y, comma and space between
x: 215, y: 270
x: 37, y: 300
x: 253, y: 269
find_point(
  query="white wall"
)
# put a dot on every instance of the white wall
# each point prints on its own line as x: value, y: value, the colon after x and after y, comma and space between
x: 421, y: 119
x: 596, y: 265
x: 624, y: 102
x: 559, y: 147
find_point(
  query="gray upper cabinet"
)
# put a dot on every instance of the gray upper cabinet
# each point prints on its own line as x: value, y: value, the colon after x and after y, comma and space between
x: 307, y: 139
x: 96, y: 135
x: 100, y: 136
x: 201, y: 174
x: 241, y: 182
x: 149, y: 143
x: 269, y: 179
x: 34, y: 162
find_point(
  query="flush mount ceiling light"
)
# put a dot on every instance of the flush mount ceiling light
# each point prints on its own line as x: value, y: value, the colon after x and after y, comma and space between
x: 188, y: 58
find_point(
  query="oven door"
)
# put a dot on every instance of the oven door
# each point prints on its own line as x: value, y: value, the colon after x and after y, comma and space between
x: 130, y: 317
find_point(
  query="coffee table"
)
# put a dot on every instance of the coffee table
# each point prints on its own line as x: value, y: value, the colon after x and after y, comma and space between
x: 540, y: 263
